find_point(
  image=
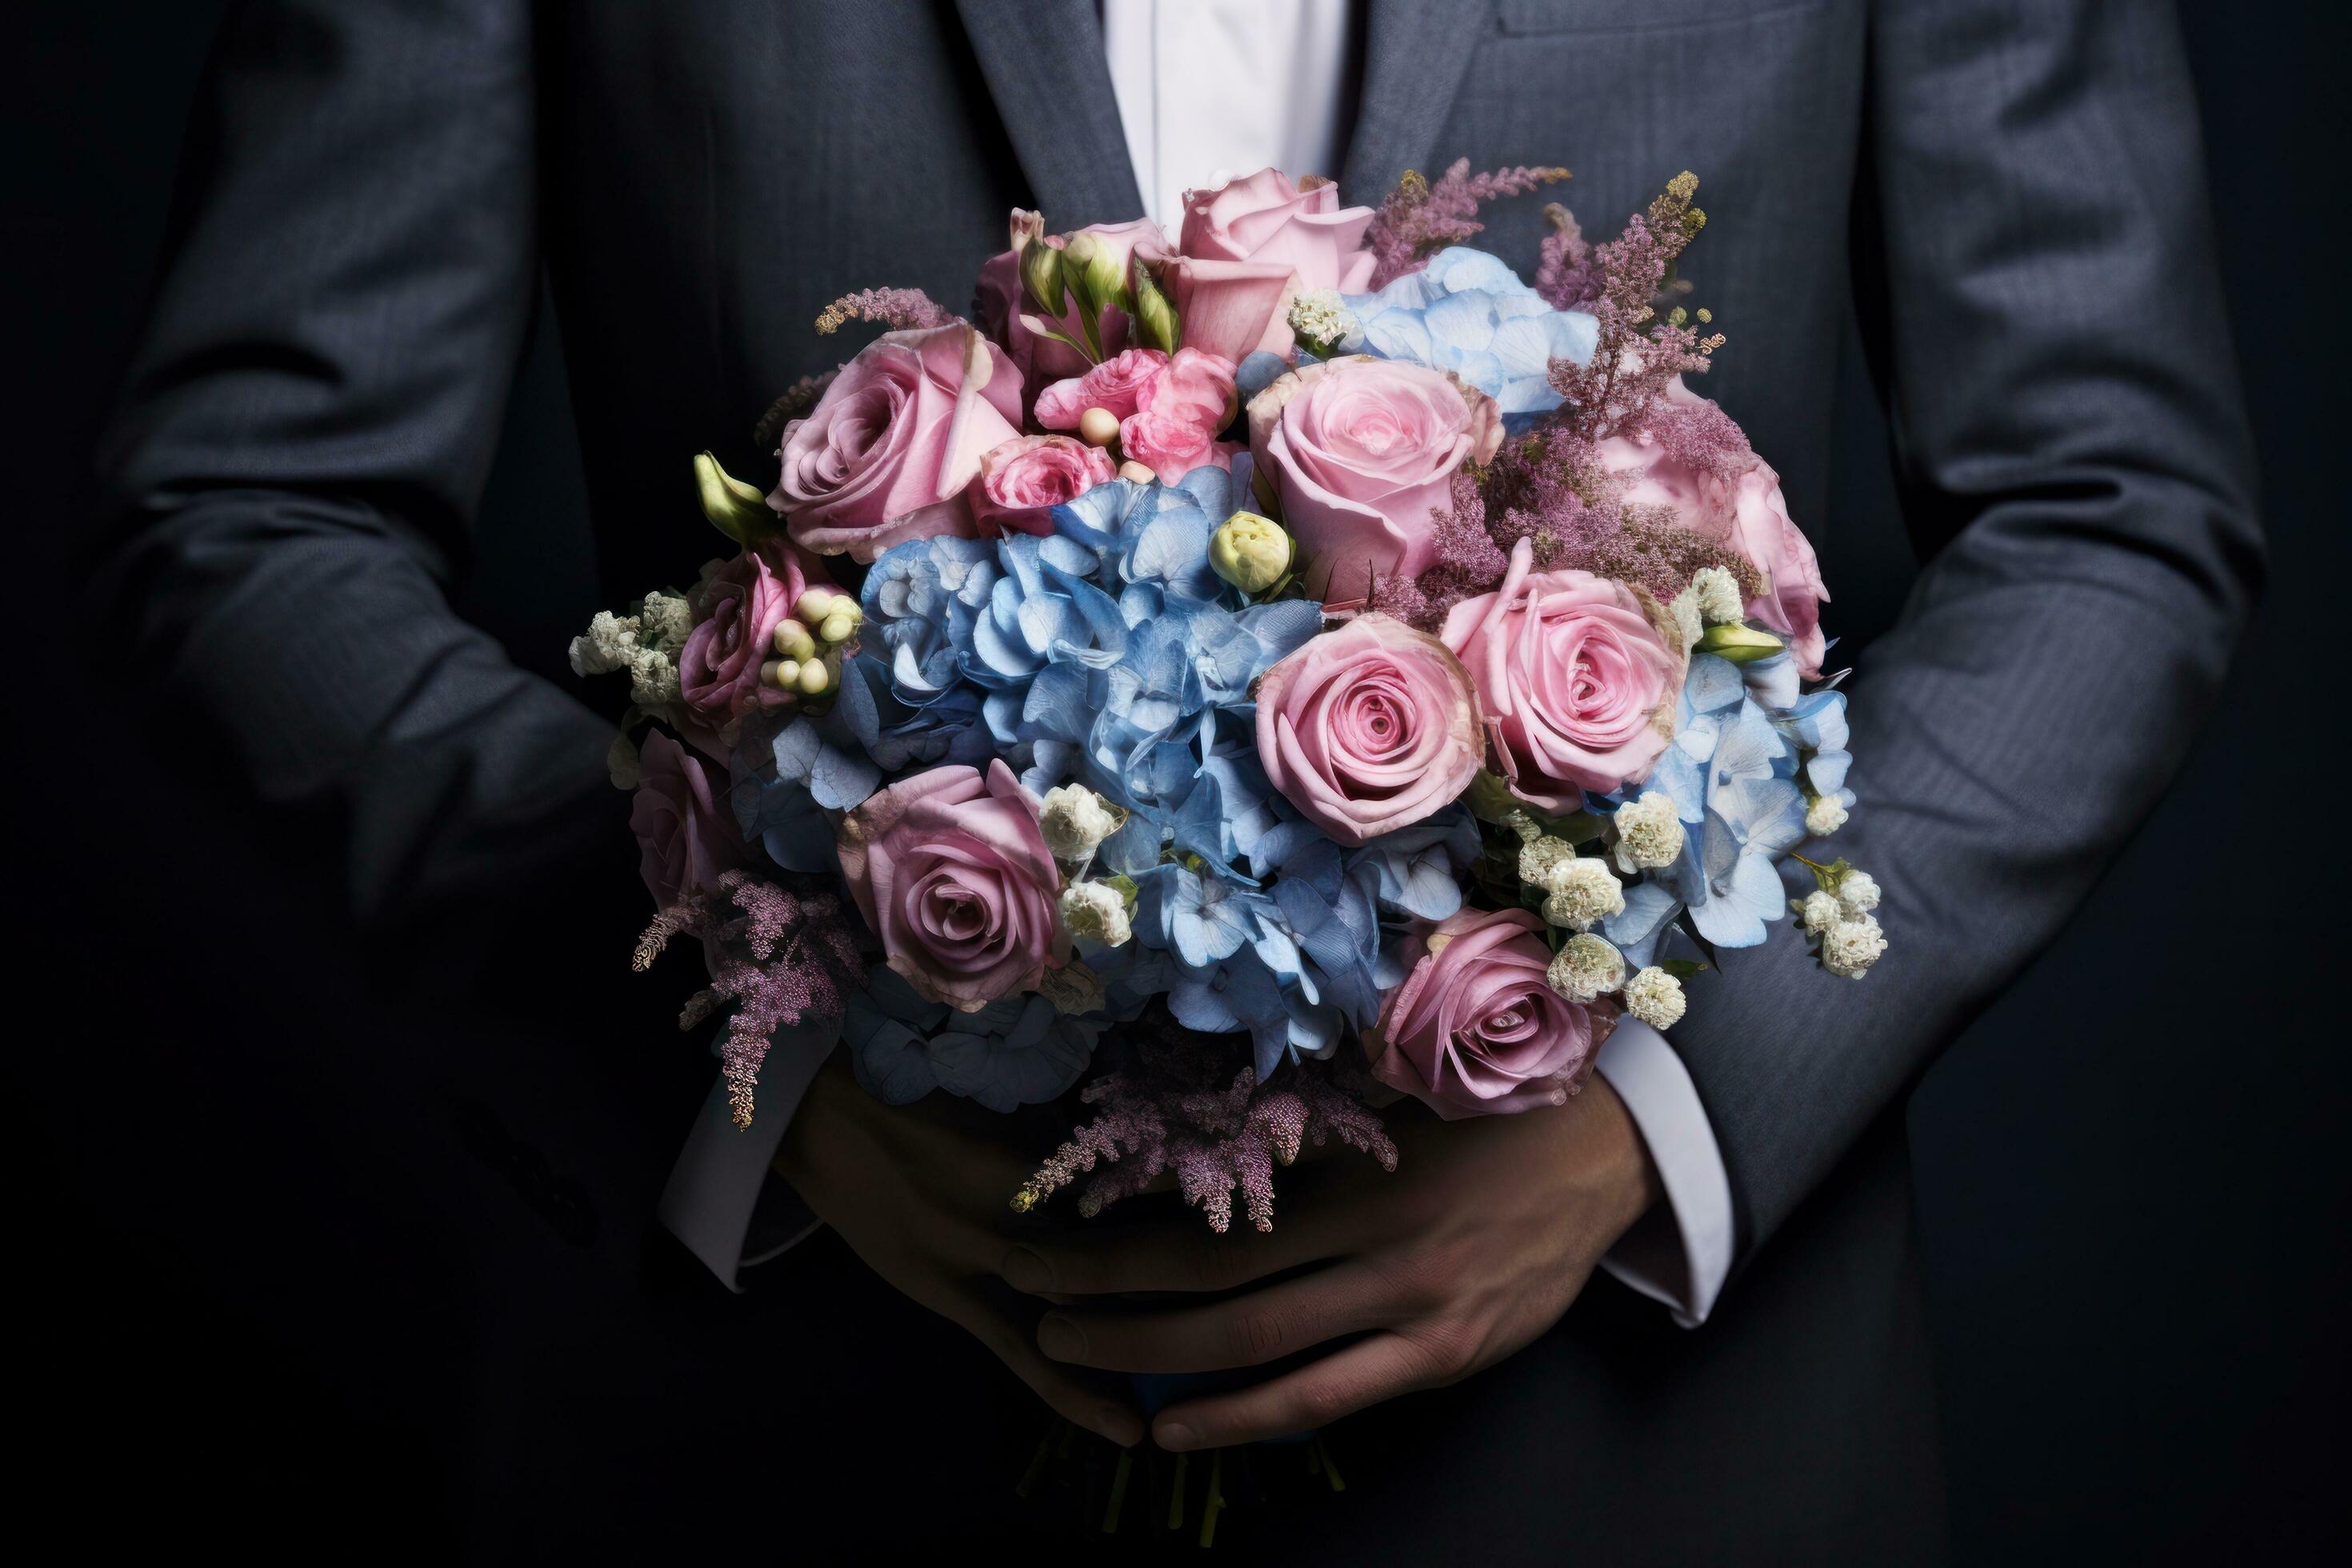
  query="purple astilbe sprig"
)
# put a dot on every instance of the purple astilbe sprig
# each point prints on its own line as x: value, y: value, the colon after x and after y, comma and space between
x: 787, y: 955
x: 1565, y: 275
x: 1175, y: 1111
x: 1637, y: 353
x: 897, y: 309
x: 1469, y: 563
x: 1422, y: 217
x: 797, y: 400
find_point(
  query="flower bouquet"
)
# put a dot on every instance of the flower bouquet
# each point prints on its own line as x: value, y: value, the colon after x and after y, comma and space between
x: 1244, y: 681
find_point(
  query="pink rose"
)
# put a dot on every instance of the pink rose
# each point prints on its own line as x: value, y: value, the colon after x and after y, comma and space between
x: 952, y: 874
x: 1577, y: 683
x: 1231, y: 309
x: 885, y: 454
x: 1368, y: 729
x: 1009, y: 316
x: 687, y: 835
x: 1267, y: 220
x: 1793, y: 591
x: 1115, y: 384
x: 1359, y: 452
x: 1177, y: 413
x: 1475, y: 1029
x: 1743, y: 509
x: 1021, y: 481
x: 719, y: 668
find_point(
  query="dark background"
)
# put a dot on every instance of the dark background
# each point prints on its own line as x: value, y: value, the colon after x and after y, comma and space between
x: 2129, y: 1173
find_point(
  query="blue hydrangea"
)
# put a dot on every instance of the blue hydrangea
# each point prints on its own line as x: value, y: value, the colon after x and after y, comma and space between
x: 1466, y: 311
x: 1020, y: 1050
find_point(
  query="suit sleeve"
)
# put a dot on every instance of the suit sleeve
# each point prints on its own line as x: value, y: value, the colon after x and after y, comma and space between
x: 292, y: 480
x: 2039, y: 282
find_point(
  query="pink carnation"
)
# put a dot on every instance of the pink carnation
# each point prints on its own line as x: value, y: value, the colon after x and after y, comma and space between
x: 1178, y: 415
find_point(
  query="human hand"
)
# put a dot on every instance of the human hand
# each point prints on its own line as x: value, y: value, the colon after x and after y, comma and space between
x: 920, y: 1192
x: 1477, y: 1242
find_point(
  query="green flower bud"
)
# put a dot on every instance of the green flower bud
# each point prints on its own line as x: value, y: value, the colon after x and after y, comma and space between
x: 1041, y: 276
x: 734, y: 508
x: 1156, y: 321
x: 1739, y: 644
x: 1250, y: 551
x: 1097, y: 273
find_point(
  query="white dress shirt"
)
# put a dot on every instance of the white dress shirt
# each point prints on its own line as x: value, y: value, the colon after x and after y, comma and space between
x: 1209, y: 91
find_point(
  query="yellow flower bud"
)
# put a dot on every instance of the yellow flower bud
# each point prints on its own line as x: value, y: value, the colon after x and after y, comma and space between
x: 735, y: 508
x: 1098, y: 427
x: 1739, y: 644
x: 815, y: 678
x: 793, y: 640
x: 815, y: 606
x: 1250, y: 551
x: 1136, y: 472
x: 784, y: 673
x: 836, y: 628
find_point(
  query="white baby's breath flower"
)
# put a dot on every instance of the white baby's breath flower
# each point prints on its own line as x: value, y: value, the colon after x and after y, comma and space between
x: 1521, y: 823
x: 1095, y: 911
x: 1858, y: 892
x: 653, y: 679
x: 1825, y: 815
x: 1656, y: 997
x: 1683, y: 606
x: 1540, y: 859
x: 667, y: 619
x: 1321, y: 317
x: 1850, y: 946
x: 1074, y: 819
x: 1583, y: 892
x: 1649, y: 833
x: 1585, y: 968
x: 607, y: 645
x: 1719, y: 601
x: 1818, y: 911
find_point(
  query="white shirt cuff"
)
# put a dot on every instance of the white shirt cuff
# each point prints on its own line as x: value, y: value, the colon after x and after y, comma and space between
x: 716, y: 1184
x: 1681, y: 1254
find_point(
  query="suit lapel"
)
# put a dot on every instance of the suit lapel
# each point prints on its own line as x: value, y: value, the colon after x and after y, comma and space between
x: 1042, y: 61
x: 1414, y: 54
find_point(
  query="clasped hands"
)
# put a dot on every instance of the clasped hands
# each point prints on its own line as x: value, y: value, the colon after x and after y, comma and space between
x: 1476, y: 1244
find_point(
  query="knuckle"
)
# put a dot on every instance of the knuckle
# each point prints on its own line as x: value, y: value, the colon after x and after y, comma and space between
x: 1255, y: 1337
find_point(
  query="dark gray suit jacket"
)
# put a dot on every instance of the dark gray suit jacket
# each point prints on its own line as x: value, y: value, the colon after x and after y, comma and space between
x: 2009, y: 190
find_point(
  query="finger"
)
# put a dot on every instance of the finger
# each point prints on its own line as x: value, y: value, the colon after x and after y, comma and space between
x: 1176, y: 1257
x: 1313, y: 1397
x: 1248, y: 1330
x: 1073, y: 1395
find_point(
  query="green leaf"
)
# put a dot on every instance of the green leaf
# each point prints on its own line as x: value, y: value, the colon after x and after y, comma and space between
x: 1683, y: 968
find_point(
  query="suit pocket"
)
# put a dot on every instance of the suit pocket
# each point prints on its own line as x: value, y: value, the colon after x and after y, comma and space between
x: 1533, y: 17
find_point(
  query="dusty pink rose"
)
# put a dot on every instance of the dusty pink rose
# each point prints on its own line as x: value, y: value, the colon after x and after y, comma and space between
x: 1009, y: 316
x: 1267, y: 220
x: 1359, y: 452
x: 952, y: 873
x: 1744, y: 510
x: 1177, y: 413
x: 1115, y: 384
x: 1021, y: 481
x: 719, y: 668
x: 1793, y: 590
x: 1368, y: 729
x: 1475, y: 1029
x: 1577, y: 683
x: 687, y: 835
x: 885, y: 454
x: 1230, y: 309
